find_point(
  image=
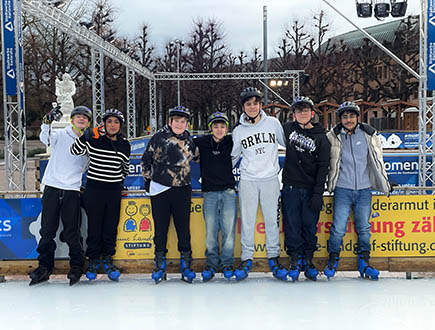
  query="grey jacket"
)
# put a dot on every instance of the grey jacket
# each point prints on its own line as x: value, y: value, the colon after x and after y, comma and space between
x: 377, y: 174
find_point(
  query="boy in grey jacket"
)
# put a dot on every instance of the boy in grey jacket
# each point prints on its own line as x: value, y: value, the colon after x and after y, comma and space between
x: 356, y: 166
x: 256, y: 139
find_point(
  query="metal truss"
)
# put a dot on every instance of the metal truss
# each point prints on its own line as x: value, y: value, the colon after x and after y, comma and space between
x: 14, y: 114
x: 153, y: 107
x: 97, y: 63
x: 131, y: 102
x: 68, y: 25
x: 426, y: 139
x: 288, y: 74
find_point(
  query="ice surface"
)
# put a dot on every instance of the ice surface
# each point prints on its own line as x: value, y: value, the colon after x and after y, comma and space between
x: 259, y: 302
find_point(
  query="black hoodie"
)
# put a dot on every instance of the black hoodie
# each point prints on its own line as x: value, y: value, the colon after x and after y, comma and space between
x: 215, y: 163
x: 307, y: 157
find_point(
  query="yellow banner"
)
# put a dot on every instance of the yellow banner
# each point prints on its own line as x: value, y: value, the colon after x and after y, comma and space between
x: 402, y: 226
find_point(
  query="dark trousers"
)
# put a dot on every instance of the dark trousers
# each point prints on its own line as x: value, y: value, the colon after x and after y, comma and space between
x: 60, y: 204
x: 300, y: 221
x: 175, y: 202
x: 103, y: 209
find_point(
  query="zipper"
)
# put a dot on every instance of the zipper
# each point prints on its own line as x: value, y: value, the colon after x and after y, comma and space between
x: 354, y: 163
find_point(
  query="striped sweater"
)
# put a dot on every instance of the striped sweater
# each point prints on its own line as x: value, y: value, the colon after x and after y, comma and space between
x: 108, y: 160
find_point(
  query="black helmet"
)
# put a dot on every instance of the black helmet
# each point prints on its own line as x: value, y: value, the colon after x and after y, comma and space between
x: 302, y: 100
x: 249, y: 92
x: 82, y: 110
x: 348, y: 106
x: 217, y: 117
x: 179, y: 111
x: 113, y: 113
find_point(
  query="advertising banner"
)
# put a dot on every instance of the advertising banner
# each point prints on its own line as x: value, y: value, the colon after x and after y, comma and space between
x: 9, y: 55
x: 401, y: 226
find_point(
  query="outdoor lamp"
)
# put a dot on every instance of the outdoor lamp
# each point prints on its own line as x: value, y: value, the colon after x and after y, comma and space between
x: 398, y: 8
x: 382, y: 9
x: 364, y: 8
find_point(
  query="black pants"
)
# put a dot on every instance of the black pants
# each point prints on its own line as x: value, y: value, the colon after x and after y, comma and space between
x: 64, y: 204
x: 102, y: 208
x: 175, y: 202
x: 300, y: 221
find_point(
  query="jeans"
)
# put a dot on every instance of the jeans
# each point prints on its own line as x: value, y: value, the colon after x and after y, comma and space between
x: 220, y: 213
x: 362, y: 205
x: 300, y: 221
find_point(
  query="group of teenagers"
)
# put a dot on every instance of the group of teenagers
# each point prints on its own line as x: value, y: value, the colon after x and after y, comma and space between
x: 347, y: 160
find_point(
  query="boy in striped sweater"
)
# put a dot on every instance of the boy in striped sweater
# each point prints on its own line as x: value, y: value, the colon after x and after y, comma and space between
x: 109, y: 154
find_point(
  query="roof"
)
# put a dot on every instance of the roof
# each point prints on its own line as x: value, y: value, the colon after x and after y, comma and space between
x: 385, y: 32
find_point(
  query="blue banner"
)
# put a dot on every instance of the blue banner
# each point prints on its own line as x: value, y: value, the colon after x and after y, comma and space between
x: 16, y: 217
x: 401, y: 140
x: 431, y: 45
x: 9, y: 56
x: 20, y: 56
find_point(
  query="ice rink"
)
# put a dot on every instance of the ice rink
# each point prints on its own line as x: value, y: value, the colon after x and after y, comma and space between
x: 259, y: 302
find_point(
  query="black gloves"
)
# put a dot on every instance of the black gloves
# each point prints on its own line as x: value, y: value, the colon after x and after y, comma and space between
x: 316, y: 202
x: 54, y: 114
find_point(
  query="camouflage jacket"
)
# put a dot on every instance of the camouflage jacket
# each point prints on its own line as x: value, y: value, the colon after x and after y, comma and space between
x: 167, y: 156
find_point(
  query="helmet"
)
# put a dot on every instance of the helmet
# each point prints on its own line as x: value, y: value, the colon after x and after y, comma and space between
x: 348, y: 106
x: 113, y: 113
x: 179, y: 111
x: 82, y: 110
x: 302, y: 100
x: 217, y: 117
x: 249, y: 92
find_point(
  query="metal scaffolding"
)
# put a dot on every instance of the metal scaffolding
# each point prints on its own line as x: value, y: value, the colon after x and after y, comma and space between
x: 97, y: 63
x: 293, y: 75
x: 426, y: 113
x: 130, y: 88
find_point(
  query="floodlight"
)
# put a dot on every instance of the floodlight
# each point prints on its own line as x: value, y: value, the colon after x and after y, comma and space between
x: 364, y: 8
x: 398, y: 9
x: 382, y: 9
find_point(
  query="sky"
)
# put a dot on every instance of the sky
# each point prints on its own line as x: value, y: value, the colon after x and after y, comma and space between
x: 242, y: 19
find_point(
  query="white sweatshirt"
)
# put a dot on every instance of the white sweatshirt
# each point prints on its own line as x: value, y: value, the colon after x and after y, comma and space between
x: 258, y: 146
x: 64, y: 171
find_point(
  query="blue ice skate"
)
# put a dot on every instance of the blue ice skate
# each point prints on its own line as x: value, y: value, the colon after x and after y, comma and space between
x: 277, y: 269
x: 91, y: 274
x: 332, y: 266
x: 228, y: 272
x: 208, y: 273
x: 187, y: 274
x: 159, y: 272
x: 295, y: 267
x: 112, y: 271
x: 242, y: 271
x: 310, y: 270
x: 364, y: 268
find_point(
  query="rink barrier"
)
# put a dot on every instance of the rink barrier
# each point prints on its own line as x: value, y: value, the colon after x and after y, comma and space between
x: 421, y: 221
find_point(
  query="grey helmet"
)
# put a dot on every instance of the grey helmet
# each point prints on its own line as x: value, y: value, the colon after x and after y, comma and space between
x: 82, y: 110
x: 113, y: 113
x: 348, y: 106
x: 249, y: 92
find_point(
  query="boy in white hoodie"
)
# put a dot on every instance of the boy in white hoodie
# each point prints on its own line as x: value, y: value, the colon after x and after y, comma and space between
x: 256, y: 139
x: 61, y: 198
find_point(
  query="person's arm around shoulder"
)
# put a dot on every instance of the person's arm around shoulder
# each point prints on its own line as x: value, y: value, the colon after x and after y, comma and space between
x: 280, y: 134
x: 236, y: 151
x: 79, y: 147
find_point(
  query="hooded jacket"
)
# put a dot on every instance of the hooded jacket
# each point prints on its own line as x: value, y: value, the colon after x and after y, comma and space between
x: 215, y: 164
x: 307, y: 157
x: 375, y: 163
x: 167, y: 156
x: 258, y: 146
